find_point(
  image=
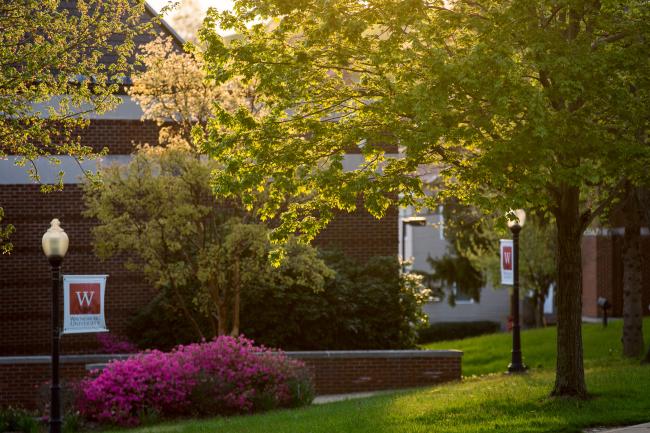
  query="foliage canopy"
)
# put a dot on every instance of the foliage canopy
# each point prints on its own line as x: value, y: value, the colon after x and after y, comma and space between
x: 59, y: 61
x: 534, y: 104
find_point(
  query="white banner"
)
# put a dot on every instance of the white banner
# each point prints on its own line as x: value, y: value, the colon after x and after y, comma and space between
x: 506, y: 262
x: 83, y: 304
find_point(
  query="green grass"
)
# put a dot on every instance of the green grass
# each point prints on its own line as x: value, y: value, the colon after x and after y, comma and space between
x: 491, y: 403
x: 491, y: 353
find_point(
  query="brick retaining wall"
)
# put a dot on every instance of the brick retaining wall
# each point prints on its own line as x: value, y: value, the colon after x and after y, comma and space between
x: 22, y: 378
x: 340, y: 372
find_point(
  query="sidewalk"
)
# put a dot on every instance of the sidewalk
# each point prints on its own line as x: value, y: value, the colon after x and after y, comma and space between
x: 641, y: 428
x: 331, y: 398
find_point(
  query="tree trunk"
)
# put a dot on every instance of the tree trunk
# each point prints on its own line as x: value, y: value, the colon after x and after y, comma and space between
x: 237, y: 301
x: 632, y: 279
x: 222, y: 311
x: 569, y: 376
x: 643, y: 197
x: 539, y: 310
x: 186, y: 311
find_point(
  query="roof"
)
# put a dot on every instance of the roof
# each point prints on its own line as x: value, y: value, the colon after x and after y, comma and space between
x: 149, y: 14
x: 165, y: 25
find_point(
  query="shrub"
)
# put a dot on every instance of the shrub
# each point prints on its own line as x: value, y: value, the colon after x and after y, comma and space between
x: 225, y: 376
x: 111, y: 343
x: 200, y: 254
x: 363, y: 306
x: 456, y: 330
x: 330, y: 302
x: 17, y: 420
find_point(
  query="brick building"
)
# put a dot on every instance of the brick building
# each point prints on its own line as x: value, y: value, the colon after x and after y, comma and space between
x: 25, y: 274
x: 602, y: 271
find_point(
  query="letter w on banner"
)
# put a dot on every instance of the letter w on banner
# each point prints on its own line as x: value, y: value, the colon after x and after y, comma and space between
x: 506, y: 262
x: 83, y: 303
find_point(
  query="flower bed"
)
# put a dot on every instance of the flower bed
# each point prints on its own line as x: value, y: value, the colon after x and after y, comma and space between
x: 225, y: 376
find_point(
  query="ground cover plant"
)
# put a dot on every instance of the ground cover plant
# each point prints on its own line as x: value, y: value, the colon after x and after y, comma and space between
x: 490, y: 403
x: 225, y: 376
x: 17, y: 420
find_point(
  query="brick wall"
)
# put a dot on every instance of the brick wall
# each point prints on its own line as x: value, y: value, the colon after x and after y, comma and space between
x: 602, y: 273
x: 26, y: 385
x: 119, y: 136
x: 25, y: 279
x: 360, y: 235
x: 22, y: 380
x: 25, y: 274
x: 359, y: 371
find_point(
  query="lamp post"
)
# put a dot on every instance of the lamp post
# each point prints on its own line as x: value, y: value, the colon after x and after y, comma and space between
x: 55, y: 245
x: 417, y: 221
x: 515, y: 225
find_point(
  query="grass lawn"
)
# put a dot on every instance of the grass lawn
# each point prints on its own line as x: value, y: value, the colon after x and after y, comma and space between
x: 491, y: 353
x: 490, y: 403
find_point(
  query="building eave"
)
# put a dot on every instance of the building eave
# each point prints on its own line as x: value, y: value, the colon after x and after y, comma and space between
x: 178, y: 39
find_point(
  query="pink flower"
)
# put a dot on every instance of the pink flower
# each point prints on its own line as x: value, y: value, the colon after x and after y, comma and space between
x: 223, y: 376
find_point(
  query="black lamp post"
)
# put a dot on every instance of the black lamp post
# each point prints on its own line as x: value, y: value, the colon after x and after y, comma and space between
x: 418, y: 221
x: 55, y: 245
x: 515, y: 225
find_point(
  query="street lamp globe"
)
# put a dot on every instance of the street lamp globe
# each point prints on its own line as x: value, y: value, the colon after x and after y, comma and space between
x: 55, y: 240
x: 516, y: 217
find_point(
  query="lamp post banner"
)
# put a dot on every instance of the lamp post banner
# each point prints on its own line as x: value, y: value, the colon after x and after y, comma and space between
x: 506, y: 262
x: 83, y: 304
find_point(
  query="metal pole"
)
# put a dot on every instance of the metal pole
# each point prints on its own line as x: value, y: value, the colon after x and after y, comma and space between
x: 403, y: 247
x: 516, y: 364
x: 55, y: 406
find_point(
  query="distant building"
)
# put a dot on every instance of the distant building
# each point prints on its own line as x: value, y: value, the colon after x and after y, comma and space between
x: 602, y: 275
x: 602, y: 271
x: 420, y: 243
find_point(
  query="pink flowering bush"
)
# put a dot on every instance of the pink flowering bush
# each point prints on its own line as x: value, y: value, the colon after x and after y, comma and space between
x: 110, y: 343
x: 225, y: 376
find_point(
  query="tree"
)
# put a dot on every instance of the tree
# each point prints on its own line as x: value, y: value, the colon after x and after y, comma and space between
x: 174, y: 90
x: 160, y: 213
x: 538, y: 260
x: 64, y: 57
x: 632, y: 274
x: 5, y: 233
x: 643, y: 201
x: 186, y: 18
x: 539, y: 101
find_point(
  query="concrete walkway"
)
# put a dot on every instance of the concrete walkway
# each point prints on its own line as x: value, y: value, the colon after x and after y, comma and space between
x: 641, y: 428
x: 331, y: 398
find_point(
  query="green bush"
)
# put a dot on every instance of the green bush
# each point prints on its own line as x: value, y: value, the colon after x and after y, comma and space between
x: 160, y: 325
x: 17, y: 420
x: 363, y: 306
x: 444, y: 331
x: 357, y: 306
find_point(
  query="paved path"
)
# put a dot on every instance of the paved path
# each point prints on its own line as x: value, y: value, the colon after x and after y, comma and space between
x: 331, y: 398
x: 641, y: 428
